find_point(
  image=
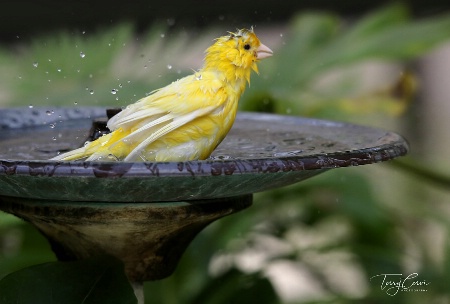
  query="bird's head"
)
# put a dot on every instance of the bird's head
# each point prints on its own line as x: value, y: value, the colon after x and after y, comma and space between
x: 240, y: 51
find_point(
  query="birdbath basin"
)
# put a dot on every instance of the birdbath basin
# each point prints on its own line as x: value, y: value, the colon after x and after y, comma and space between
x: 146, y: 213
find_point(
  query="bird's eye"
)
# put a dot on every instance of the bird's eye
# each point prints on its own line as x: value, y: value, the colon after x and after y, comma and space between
x: 247, y: 46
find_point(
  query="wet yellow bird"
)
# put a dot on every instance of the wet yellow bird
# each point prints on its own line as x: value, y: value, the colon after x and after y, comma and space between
x: 187, y: 119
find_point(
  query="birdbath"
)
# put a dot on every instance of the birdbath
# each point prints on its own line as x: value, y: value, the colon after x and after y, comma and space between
x: 147, y: 213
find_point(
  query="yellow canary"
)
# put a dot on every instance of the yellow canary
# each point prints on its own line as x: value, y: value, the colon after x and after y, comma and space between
x: 187, y: 119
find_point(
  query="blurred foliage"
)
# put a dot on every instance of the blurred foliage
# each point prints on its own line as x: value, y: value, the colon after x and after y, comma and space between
x: 320, y: 241
x: 320, y: 44
x: 87, y: 281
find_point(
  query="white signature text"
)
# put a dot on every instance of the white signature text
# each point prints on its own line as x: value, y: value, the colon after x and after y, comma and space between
x: 392, y: 283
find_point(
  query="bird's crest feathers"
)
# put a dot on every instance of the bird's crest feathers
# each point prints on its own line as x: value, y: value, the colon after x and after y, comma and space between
x: 240, y: 32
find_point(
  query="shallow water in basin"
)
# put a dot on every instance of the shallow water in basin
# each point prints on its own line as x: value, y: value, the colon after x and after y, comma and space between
x: 247, y: 139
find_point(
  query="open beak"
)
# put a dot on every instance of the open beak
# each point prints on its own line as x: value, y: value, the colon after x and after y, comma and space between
x: 263, y: 52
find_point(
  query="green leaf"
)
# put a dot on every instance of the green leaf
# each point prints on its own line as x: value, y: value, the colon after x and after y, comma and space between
x: 95, y: 280
x: 236, y: 287
x: 402, y: 42
x: 378, y: 21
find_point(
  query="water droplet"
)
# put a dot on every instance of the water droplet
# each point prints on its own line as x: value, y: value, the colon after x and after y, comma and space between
x: 54, y: 137
x: 169, y: 66
x: 198, y: 76
x: 221, y: 157
x: 288, y: 153
x: 112, y: 157
x: 114, y: 91
x: 83, y: 32
x: 120, y: 85
x: 170, y: 21
x: 82, y: 55
x: 48, y: 112
x: 35, y: 64
x: 91, y: 92
x: 30, y: 106
x: 59, y: 70
x: 52, y: 126
x: 75, y: 103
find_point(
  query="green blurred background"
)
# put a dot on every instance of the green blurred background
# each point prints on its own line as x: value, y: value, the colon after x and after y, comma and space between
x: 319, y: 241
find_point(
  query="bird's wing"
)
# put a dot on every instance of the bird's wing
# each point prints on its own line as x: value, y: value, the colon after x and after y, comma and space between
x: 179, y: 98
x: 143, y: 109
x: 168, y: 109
x: 167, y: 128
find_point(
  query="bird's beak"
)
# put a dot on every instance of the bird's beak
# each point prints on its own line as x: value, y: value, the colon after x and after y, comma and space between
x: 263, y: 52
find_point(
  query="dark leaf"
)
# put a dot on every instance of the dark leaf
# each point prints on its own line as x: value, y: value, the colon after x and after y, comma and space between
x: 238, y: 288
x: 95, y: 280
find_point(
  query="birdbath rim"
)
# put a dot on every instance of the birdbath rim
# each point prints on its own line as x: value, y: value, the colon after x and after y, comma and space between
x: 267, y: 151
